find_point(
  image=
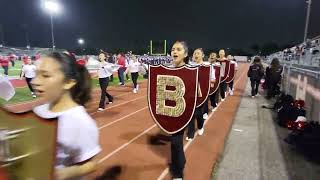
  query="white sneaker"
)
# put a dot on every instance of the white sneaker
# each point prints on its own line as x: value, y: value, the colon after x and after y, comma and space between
x: 252, y: 96
x: 100, y: 109
x: 222, y: 100
x: 200, y: 131
x: 34, y: 96
x: 231, y: 93
x: 177, y: 179
x: 134, y: 90
x: 205, y: 116
x: 137, y: 87
x: 189, y: 139
x: 213, y: 109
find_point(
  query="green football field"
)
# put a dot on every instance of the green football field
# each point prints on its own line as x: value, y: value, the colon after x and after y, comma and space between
x: 13, y: 71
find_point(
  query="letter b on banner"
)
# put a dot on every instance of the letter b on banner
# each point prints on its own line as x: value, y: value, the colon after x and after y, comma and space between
x: 163, y: 95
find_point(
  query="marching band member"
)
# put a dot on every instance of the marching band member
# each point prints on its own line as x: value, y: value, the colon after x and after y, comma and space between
x: 179, y: 53
x: 121, y: 61
x: 223, y: 85
x: 232, y: 61
x: 66, y: 87
x: 29, y: 72
x: 4, y: 61
x: 104, y: 73
x: 213, y: 98
x: 133, y: 67
x: 198, y: 56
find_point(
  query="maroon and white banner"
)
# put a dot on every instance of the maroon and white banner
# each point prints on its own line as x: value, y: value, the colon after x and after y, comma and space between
x: 172, y: 96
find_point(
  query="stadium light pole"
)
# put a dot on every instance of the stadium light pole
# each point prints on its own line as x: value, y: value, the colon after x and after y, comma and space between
x: 307, y: 20
x: 81, y: 43
x: 53, y: 7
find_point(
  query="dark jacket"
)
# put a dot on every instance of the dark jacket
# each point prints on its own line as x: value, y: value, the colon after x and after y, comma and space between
x: 273, y: 75
x: 256, y: 71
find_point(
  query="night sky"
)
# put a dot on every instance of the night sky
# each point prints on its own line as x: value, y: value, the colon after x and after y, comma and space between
x: 125, y: 23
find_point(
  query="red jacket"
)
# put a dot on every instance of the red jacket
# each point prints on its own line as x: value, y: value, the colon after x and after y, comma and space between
x: 82, y: 62
x: 122, y: 62
x: 4, y: 61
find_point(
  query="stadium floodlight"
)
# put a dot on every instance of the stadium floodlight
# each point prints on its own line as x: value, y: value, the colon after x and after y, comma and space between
x: 81, y: 41
x: 28, y: 47
x: 53, y: 7
x: 1, y: 45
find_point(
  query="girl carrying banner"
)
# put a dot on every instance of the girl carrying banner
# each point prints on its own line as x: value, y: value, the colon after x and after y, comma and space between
x: 179, y: 53
x: 65, y: 86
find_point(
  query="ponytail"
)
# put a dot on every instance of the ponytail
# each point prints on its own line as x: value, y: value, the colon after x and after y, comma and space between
x: 81, y: 92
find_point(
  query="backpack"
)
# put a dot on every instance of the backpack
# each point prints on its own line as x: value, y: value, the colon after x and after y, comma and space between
x: 255, y: 72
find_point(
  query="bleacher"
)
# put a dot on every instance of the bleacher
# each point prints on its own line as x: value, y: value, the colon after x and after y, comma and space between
x: 306, y: 54
x: 20, y: 51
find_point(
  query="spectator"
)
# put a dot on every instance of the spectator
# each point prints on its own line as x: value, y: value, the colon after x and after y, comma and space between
x: 273, y: 77
x: 255, y: 73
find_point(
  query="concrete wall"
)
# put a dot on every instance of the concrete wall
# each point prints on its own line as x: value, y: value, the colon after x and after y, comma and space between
x: 303, y: 83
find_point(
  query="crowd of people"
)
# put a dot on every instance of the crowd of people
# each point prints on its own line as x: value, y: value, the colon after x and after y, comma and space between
x: 64, y: 83
x: 298, y: 51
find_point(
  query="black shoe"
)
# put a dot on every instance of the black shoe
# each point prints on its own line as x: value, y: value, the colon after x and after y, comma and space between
x: 175, y: 173
x: 111, y: 100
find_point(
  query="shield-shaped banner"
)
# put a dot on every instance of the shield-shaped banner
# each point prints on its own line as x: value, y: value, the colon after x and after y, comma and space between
x: 27, y: 144
x: 218, y: 78
x: 172, y: 96
x: 225, y: 68
x: 231, y: 73
x: 204, y: 84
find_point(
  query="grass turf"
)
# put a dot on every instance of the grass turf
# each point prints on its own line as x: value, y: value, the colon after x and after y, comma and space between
x: 13, y: 71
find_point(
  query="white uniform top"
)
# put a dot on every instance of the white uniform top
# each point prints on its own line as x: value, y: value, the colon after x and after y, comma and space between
x: 104, y: 69
x: 235, y: 65
x: 78, y: 135
x: 212, y: 75
x: 134, y: 66
x: 222, y: 69
x: 214, y: 70
x: 29, y: 70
